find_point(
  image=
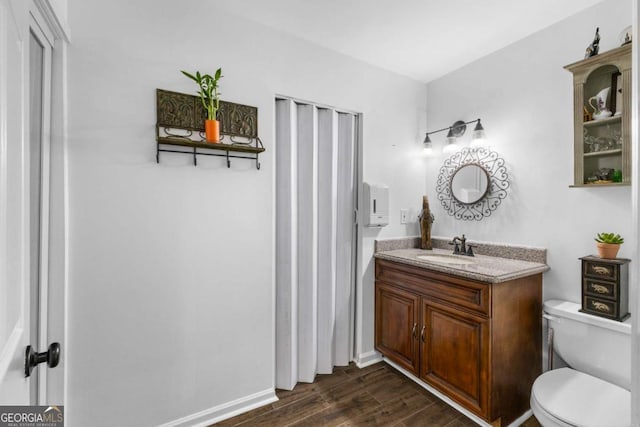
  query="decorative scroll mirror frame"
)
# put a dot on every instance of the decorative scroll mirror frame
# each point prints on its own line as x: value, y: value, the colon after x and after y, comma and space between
x: 498, y: 183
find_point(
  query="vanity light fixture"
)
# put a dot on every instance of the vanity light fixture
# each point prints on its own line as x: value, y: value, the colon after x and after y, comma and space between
x: 456, y: 130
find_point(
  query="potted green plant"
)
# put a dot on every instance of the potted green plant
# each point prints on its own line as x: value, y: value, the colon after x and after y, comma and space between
x: 210, y: 97
x: 608, y: 245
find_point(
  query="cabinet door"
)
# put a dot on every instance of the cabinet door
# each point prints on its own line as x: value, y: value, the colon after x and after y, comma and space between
x: 397, y: 325
x: 455, y: 354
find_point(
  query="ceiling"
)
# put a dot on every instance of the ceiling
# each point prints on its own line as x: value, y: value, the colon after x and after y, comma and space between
x: 422, y: 39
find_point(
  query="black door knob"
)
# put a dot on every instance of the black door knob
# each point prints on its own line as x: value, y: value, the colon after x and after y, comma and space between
x: 33, y: 359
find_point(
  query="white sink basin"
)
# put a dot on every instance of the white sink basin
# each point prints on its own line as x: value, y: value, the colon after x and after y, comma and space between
x: 446, y: 259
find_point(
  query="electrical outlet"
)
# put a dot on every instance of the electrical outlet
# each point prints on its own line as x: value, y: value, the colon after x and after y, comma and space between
x: 404, y: 216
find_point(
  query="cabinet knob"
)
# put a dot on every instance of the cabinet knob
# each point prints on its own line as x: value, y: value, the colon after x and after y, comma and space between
x: 413, y: 331
x: 422, y: 333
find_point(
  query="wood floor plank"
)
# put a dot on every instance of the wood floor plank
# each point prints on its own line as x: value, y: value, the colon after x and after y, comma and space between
x: 341, y: 411
x: 391, y: 412
x: 353, y: 369
x: 462, y: 421
x: 439, y: 414
x: 369, y: 375
x: 303, y: 390
x: 289, y: 414
x: 377, y: 395
x: 386, y: 387
x: 531, y: 422
x: 344, y: 389
x: 245, y: 417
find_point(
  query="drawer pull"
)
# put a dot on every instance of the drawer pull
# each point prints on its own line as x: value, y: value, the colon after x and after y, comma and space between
x: 599, y: 289
x: 422, y: 333
x: 603, y: 271
x: 413, y: 331
x: 600, y: 306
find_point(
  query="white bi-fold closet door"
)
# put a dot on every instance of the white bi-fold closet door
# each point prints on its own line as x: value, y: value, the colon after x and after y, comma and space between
x: 315, y: 240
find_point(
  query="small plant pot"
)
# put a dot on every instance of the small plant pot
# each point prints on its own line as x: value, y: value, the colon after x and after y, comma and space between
x: 212, y: 131
x: 608, y: 250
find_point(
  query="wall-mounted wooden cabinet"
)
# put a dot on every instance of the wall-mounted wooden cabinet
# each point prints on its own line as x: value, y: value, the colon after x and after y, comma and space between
x: 478, y: 343
x: 602, y: 119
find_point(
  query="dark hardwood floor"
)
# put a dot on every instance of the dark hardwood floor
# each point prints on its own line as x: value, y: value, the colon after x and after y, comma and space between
x: 377, y: 395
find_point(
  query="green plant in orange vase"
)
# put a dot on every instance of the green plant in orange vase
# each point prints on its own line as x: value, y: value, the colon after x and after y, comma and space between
x: 608, y: 245
x: 210, y: 97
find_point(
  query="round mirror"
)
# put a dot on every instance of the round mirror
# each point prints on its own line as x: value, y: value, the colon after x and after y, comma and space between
x: 469, y: 184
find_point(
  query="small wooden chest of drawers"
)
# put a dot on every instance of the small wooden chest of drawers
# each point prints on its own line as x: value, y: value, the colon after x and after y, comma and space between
x: 605, y: 287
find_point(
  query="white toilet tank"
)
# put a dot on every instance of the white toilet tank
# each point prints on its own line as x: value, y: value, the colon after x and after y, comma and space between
x: 591, y: 344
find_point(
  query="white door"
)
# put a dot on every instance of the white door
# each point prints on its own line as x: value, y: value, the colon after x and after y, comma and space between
x: 25, y: 106
x: 39, y: 136
x: 14, y: 255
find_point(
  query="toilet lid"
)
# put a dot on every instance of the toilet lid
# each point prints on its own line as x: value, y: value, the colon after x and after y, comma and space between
x: 582, y: 400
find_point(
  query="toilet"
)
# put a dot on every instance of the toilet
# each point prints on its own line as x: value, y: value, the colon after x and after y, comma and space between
x: 594, y: 390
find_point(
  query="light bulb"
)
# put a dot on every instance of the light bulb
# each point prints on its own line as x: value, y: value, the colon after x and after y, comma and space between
x: 427, y: 151
x: 479, y: 137
x: 451, y: 146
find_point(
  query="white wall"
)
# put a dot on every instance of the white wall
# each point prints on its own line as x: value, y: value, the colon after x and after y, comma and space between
x: 525, y: 100
x: 171, y: 287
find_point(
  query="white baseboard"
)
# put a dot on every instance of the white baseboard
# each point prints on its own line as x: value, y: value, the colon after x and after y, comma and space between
x: 366, y: 359
x: 453, y: 404
x: 226, y: 410
x: 524, y: 417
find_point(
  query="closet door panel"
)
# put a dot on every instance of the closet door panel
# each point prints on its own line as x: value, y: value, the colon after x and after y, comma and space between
x: 286, y: 246
x: 345, y: 238
x: 307, y: 197
x: 327, y: 165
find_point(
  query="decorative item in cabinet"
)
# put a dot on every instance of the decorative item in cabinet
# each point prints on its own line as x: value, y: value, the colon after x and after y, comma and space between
x: 180, y: 126
x: 605, y: 287
x: 602, y: 118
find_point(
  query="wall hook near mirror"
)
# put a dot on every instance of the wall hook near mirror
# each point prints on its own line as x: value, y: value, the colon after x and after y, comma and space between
x: 472, y: 183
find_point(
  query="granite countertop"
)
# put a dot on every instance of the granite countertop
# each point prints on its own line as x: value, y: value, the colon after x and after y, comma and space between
x: 490, y: 269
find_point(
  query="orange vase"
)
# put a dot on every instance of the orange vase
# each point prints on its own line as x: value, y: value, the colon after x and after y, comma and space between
x: 212, y: 131
x: 608, y: 250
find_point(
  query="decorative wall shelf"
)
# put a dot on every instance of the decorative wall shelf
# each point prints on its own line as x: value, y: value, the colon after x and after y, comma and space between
x: 180, y: 129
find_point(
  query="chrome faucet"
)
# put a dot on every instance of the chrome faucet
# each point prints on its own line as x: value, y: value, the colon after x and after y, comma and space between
x: 460, y: 246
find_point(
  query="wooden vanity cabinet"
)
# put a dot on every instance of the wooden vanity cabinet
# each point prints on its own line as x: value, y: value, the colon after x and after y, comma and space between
x: 478, y: 343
